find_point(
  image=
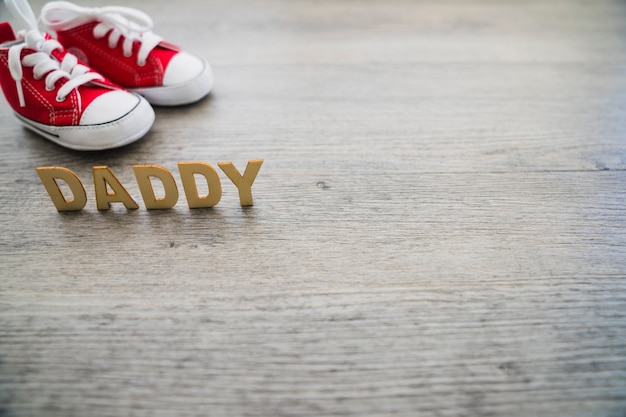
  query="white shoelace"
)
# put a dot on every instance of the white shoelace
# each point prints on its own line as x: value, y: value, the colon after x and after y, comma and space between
x: 122, y: 22
x: 44, y: 64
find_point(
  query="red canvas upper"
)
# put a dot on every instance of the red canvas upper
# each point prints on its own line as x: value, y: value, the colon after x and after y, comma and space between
x: 42, y: 105
x: 6, y: 32
x: 112, y: 63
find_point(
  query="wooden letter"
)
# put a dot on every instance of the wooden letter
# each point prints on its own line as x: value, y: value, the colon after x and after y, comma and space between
x: 143, y: 174
x: 103, y: 178
x: 49, y: 176
x: 187, y: 171
x: 243, y: 183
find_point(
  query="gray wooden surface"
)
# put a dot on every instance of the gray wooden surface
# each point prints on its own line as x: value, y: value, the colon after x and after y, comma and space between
x: 439, y: 226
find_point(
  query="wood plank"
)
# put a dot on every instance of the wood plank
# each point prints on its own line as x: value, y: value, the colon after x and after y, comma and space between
x: 439, y: 225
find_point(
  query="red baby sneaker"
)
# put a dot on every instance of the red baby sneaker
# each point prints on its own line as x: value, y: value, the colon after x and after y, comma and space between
x: 118, y: 43
x: 56, y: 96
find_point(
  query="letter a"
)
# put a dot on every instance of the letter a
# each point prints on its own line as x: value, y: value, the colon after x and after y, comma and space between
x: 243, y: 183
x: 187, y: 171
x: 49, y: 177
x: 103, y: 177
x: 143, y: 174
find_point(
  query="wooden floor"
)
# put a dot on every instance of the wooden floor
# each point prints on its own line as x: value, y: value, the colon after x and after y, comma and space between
x: 439, y: 225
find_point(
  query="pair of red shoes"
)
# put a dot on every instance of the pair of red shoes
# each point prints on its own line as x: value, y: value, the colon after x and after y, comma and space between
x: 88, y: 80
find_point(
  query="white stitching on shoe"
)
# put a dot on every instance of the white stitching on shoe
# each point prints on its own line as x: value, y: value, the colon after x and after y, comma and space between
x: 154, y: 68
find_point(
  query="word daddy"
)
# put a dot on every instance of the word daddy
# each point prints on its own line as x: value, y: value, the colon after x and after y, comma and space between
x: 109, y: 189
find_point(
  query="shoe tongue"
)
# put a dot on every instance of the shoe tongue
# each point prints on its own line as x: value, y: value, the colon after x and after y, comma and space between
x: 6, y: 33
x: 58, y: 54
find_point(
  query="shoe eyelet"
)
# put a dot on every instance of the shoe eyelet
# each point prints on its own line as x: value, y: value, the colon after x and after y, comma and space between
x: 60, y: 99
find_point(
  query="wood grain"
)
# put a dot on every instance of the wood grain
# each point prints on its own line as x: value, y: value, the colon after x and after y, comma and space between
x: 439, y: 225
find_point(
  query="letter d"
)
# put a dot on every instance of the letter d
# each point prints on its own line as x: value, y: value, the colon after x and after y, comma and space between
x: 187, y: 171
x: 49, y: 177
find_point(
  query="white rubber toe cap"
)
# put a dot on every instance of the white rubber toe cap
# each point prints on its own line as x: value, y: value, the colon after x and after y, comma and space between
x: 187, y: 79
x: 114, y: 119
x: 182, y: 68
x: 109, y: 107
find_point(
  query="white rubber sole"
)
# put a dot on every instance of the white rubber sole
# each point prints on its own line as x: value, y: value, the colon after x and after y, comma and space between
x: 178, y: 95
x: 127, y: 129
